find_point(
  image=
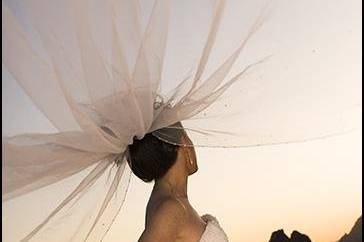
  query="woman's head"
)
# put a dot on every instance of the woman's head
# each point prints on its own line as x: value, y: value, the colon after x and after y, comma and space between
x: 150, y: 158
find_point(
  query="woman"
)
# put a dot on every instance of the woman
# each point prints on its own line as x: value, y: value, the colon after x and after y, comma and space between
x: 169, y: 215
x: 96, y: 69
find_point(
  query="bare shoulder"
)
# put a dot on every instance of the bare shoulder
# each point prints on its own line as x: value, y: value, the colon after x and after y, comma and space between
x: 166, y: 221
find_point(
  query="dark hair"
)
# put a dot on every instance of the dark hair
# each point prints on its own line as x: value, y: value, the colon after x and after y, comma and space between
x: 150, y: 158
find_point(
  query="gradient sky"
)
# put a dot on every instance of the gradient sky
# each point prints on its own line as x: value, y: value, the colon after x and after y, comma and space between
x: 312, y: 187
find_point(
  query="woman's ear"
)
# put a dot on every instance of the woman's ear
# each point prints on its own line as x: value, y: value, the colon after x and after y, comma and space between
x: 183, y: 153
x: 189, y: 155
x: 189, y: 159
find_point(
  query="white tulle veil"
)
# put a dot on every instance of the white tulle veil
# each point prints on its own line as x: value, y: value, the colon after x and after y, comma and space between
x: 104, y: 72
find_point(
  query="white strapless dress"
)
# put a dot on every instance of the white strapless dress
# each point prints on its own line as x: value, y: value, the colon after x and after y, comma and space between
x: 213, y: 231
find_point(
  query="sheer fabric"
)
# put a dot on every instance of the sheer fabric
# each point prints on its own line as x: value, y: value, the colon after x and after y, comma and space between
x: 104, y: 72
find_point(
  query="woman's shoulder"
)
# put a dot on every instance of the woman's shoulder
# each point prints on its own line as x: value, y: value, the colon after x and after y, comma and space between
x: 164, y: 221
x: 167, y: 207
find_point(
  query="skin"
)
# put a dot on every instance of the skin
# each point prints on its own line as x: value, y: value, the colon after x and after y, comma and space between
x: 169, y: 216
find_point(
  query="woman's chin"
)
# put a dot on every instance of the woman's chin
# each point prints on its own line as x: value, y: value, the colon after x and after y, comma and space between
x: 193, y: 171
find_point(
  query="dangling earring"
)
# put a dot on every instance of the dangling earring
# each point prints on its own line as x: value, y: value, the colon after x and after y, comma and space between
x: 189, y: 158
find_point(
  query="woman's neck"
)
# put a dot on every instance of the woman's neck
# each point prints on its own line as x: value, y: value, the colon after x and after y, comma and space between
x: 171, y: 187
x: 174, y: 182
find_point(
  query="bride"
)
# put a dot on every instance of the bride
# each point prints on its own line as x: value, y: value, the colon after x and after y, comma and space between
x: 110, y: 76
x: 169, y: 214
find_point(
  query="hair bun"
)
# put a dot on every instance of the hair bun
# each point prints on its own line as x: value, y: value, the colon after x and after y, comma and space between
x: 150, y: 158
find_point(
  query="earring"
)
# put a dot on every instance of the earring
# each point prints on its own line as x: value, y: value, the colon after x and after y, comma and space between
x: 189, y: 158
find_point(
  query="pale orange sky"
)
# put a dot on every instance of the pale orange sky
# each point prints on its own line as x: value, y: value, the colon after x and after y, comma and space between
x: 312, y: 187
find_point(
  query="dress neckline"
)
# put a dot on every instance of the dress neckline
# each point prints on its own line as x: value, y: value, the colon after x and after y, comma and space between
x: 212, y: 228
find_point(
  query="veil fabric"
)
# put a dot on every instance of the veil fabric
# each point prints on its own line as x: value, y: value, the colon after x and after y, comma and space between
x: 104, y: 72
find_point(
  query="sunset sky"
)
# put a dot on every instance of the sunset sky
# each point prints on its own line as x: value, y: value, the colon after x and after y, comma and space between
x: 313, y: 187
